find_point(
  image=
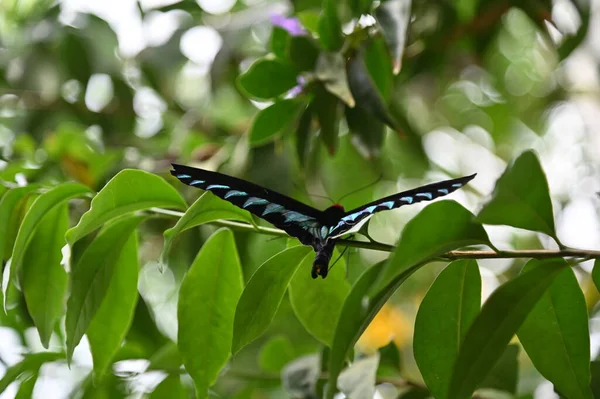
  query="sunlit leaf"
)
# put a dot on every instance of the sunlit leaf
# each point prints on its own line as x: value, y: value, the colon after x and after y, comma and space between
x: 215, y: 282
x: 42, y: 205
x: 444, y: 316
x: 596, y: 274
x: 111, y: 322
x: 44, y: 280
x: 318, y: 302
x: 26, y: 387
x: 358, y: 380
x: 8, y: 203
x: 521, y: 198
x: 454, y: 227
x: 555, y: 336
x: 267, y: 79
x: 130, y: 190
x: 500, y: 318
x: 394, y: 16
x: 92, y: 276
x: 331, y: 71
x: 263, y: 294
x: 207, y: 208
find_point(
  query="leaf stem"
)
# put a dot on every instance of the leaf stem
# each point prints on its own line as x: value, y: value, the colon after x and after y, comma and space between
x: 379, y: 246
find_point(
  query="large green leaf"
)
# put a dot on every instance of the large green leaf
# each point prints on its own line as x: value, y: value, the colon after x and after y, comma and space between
x: 437, y: 229
x: 44, y: 280
x: 500, y: 318
x: 263, y: 294
x: 444, y: 316
x: 275, y: 354
x: 268, y: 78
x: 505, y: 374
x: 555, y: 335
x: 206, y: 209
x: 331, y: 71
x: 170, y: 388
x: 521, y: 198
x: 328, y: 109
x: 8, y: 203
x: 318, y: 302
x: 26, y: 387
x: 92, y: 277
x: 130, y: 190
x: 273, y: 120
x: 215, y: 282
x: 42, y: 205
x: 111, y: 322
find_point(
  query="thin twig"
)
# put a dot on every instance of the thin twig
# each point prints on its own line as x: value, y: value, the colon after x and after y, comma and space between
x: 379, y: 246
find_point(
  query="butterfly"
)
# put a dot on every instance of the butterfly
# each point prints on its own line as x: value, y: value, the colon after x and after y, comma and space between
x: 318, y: 229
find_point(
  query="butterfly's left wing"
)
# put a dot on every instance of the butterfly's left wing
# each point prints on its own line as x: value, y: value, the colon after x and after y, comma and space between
x: 295, y: 218
x: 423, y: 193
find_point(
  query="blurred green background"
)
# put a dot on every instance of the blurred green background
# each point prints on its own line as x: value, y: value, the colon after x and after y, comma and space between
x: 88, y: 88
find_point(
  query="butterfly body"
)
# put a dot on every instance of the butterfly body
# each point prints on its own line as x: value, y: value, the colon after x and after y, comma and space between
x: 319, y: 229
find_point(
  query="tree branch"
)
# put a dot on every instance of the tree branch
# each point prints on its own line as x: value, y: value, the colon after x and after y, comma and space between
x: 379, y: 246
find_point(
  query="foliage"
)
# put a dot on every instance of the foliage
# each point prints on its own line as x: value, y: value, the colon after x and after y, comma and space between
x: 102, y: 253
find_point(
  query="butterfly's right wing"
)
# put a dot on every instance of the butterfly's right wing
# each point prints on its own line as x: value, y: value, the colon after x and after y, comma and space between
x: 295, y: 218
x: 423, y: 193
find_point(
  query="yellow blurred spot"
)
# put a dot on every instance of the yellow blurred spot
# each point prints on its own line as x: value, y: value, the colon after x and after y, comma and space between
x: 389, y: 324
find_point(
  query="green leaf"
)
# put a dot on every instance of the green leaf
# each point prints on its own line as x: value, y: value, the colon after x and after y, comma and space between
x: 328, y: 107
x: 303, y: 135
x: 331, y: 71
x: 444, y: 316
x: 595, y: 384
x: 170, y: 388
x: 318, y: 302
x: 379, y: 65
x: 454, y: 227
x: 263, y: 294
x: 330, y: 26
x: 111, y: 322
x: 26, y: 388
x: 42, y: 205
x: 500, y: 318
x: 275, y: 354
x: 596, y: 274
x: 365, y: 90
x: 303, y: 52
x: 267, y: 79
x: 279, y: 42
x: 92, y: 277
x: 521, y: 198
x: 44, y: 280
x: 394, y: 16
x: 130, y: 190
x: 367, y: 129
x: 360, y: 7
x: 75, y: 55
x: 8, y: 203
x: 207, y: 208
x: 555, y: 335
x: 31, y: 363
x: 505, y: 374
x: 273, y: 120
x: 215, y: 282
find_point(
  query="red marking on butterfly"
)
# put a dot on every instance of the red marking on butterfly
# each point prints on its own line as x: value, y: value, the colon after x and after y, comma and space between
x: 338, y: 206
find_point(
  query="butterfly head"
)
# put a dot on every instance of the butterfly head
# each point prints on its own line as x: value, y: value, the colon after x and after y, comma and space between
x: 335, y: 211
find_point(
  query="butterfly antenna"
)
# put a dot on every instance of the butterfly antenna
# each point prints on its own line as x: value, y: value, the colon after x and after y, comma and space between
x: 313, y: 195
x: 338, y: 258
x: 361, y: 188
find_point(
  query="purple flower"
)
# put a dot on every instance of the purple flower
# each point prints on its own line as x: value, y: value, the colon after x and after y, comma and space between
x: 291, y: 25
x: 296, y: 90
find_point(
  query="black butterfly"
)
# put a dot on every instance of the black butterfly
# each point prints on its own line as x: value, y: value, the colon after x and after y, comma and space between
x: 319, y: 229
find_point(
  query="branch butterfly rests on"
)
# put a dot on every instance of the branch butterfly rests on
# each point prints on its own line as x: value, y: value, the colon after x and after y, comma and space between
x: 319, y: 229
